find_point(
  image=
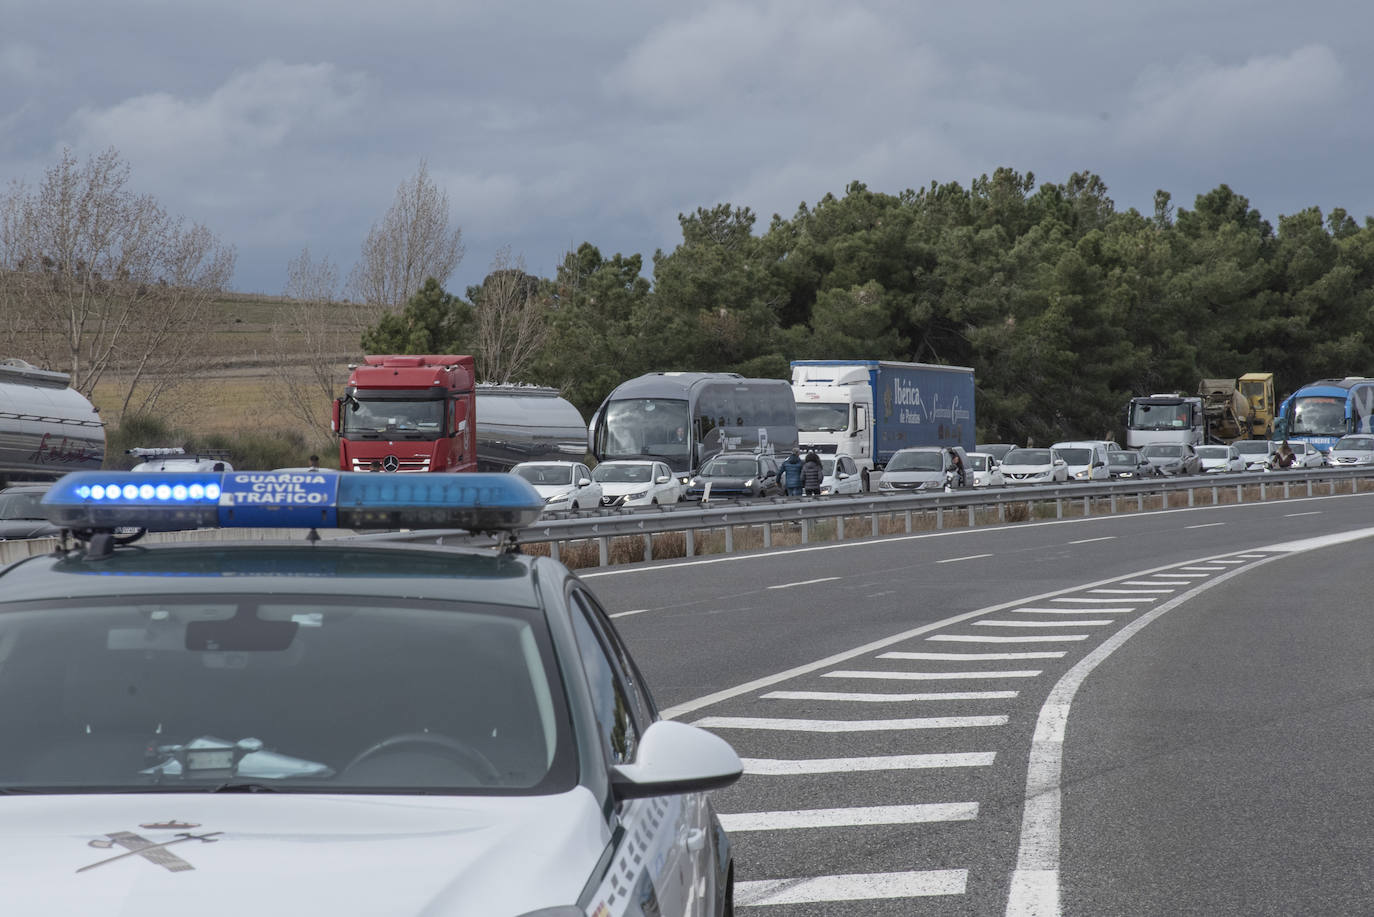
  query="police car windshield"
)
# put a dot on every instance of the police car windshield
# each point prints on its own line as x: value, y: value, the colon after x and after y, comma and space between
x: 186, y: 693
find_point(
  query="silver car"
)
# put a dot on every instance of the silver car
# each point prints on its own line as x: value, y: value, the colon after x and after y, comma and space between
x: 1220, y: 459
x: 1173, y: 458
x: 1355, y: 449
x: 1034, y: 466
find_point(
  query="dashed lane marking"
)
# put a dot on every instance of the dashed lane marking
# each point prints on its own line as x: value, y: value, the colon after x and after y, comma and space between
x: 1091, y: 540
x: 849, y: 817
x: 1092, y: 623
x: 1101, y: 600
x: 955, y: 560
x: 890, y: 698
x: 979, y: 657
x: 805, y: 582
x: 778, y: 767
x: 855, y: 887
x: 933, y: 676
x: 1131, y: 591
x: 1074, y: 611
x: 1023, y: 638
x: 789, y: 725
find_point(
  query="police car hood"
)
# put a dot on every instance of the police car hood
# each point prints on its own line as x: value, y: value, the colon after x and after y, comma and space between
x: 271, y: 853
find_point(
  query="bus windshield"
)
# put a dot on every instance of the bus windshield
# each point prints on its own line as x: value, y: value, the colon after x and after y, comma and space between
x: 1317, y: 415
x: 814, y: 417
x: 640, y: 427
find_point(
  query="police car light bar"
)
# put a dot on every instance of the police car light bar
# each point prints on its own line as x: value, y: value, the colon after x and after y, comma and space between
x: 174, y: 501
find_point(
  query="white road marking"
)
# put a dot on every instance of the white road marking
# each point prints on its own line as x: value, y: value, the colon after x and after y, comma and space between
x: 1100, y: 601
x: 1091, y: 540
x: 1130, y: 591
x: 776, y: 767
x: 1097, y: 610
x: 1202, y: 569
x: 849, y: 818
x: 955, y: 560
x: 1035, y: 882
x: 784, y: 725
x: 1187, y: 577
x: 1314, y: 512
x: 1157, y: 581
x: 933, y: 676
x: 979, y: 638
x: 856, y: 887
x: 1205, y: 525
x: 979, y: 657
x: 1095, y: 623
x: 876, y: 595
x: 805, y: 582
x: 890, y: 698
x: 626, y: 614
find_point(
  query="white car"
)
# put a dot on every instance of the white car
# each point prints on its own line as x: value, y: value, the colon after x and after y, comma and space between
x: 1034, y: 466
x: 563, y: 485
x: 1307, y: 455
x: 633, y: 483
x: 1086, y: 459
x: 987, y: 471
x: 841, y: 476
x: 1255, y: 452
x: 176, y: 458
x: 1354, y: 449
x: 1220, y: 459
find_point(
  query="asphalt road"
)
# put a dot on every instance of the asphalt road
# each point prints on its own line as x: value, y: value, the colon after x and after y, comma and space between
x: 1162, y: 713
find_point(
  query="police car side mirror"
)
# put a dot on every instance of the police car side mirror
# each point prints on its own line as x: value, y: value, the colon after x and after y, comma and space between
x: 676, y: 758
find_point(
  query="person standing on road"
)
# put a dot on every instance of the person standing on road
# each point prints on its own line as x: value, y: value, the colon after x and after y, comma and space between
x: 956, y: 467
x: 792, y: 474
x: 1284, y: 457
x: 812, y: 473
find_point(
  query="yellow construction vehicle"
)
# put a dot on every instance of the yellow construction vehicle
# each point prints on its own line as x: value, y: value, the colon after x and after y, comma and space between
x: 1238, y: 409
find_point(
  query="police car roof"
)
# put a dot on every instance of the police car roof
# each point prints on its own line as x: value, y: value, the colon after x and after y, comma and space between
x: 292, y: 568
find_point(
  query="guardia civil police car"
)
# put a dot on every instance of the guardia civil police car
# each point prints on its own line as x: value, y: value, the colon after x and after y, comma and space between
x: 333, y: 726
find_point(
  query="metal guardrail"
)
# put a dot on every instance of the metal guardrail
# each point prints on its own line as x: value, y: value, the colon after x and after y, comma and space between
x: 690, y: 519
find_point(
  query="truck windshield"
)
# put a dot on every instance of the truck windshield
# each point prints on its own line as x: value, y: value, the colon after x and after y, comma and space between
x: 1318, y: 415
x: 378, y: 418
x: 822, y: 418
x: 639, y: 427
x: 1148, y: 416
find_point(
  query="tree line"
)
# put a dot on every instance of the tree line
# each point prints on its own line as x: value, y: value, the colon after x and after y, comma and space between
x: 1064, y: 305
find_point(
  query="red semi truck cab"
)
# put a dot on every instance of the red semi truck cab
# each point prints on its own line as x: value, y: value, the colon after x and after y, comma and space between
x: 409, y: 413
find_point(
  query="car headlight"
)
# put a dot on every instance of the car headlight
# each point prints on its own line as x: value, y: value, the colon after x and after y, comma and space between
x: 557, y: 498
x: 749, y: 483
x: 695, y: 482
x: 638, y: 495
x: 1080, y: 475
x: 826, y: 490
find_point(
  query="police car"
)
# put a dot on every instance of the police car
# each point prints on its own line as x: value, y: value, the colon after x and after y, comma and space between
x: 333, y: 726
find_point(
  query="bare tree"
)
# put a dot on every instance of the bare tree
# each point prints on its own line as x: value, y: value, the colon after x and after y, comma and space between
x: 100, y: 281
x: 411, y: 243
x: 511, y: 311
x: 316, y: 336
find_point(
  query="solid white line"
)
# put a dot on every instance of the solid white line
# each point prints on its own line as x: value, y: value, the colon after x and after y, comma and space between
x: 1102, y: 601
x: 1035, y: 882
x: 1205, y: 525
x: 777, y: 725
x: 626, y: 614
x: 979, y: 638
x: 1043, y: 623
x: 775, y: 767
x: 805, y: 582
x: 1091, y: 540
x: 857, y: 887
x: 849, y: 818
x: 979, y: 657
x: 1074, y: 611
x: 1315, y: 512
x: 890, y: 698
x: 955, y: 560
x: 1131, y: 591
x: 933, y: 676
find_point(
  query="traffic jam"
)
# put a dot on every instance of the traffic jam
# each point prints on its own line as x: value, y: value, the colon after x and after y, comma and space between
x: 388, y: 725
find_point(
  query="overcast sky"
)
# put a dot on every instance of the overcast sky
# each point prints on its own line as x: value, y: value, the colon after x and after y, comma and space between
x: 286, y: 124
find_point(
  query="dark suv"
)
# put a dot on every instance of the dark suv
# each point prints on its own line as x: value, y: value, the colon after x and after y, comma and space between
x: 737, y: 474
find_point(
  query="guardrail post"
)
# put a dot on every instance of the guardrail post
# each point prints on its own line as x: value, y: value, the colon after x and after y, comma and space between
x: 604, y: 549
x: 553, y: 550
x: 1354, y: 484
x: 839, y: 528
x: 1059, y: 507
x: 1087, y: 507
x: 1309, y: 487
x: 1215, y: 495
x: 806, y: 530
x: 939, y: 517
x: 729, y: 539
x: 768, y: 534
x: 691, y: 542
x: 1285, y: 490
x: 1333, y: 487
x: 1263, y: 494
x: 1140, y: 502
x: 1190, y: 496
x: 971, y: 520
x: 1113, y: 503
x: 648, y: 548
x: 908, y: 522
x: 875, y: 523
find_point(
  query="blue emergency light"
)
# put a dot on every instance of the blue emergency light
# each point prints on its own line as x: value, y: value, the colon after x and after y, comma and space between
x: 174, y: 501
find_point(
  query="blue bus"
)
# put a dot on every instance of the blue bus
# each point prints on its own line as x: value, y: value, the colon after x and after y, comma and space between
x: 684, y: 418
x: 1326, y: 410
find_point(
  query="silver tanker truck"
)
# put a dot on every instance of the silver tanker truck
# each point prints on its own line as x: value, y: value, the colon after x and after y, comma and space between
x: 47, y: 428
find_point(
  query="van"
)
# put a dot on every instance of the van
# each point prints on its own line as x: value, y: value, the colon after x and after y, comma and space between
x: 923, y: 468
x: 1086, y: 458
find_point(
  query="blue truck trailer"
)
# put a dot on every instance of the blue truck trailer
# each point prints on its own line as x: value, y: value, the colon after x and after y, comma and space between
x: 868, y: 409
